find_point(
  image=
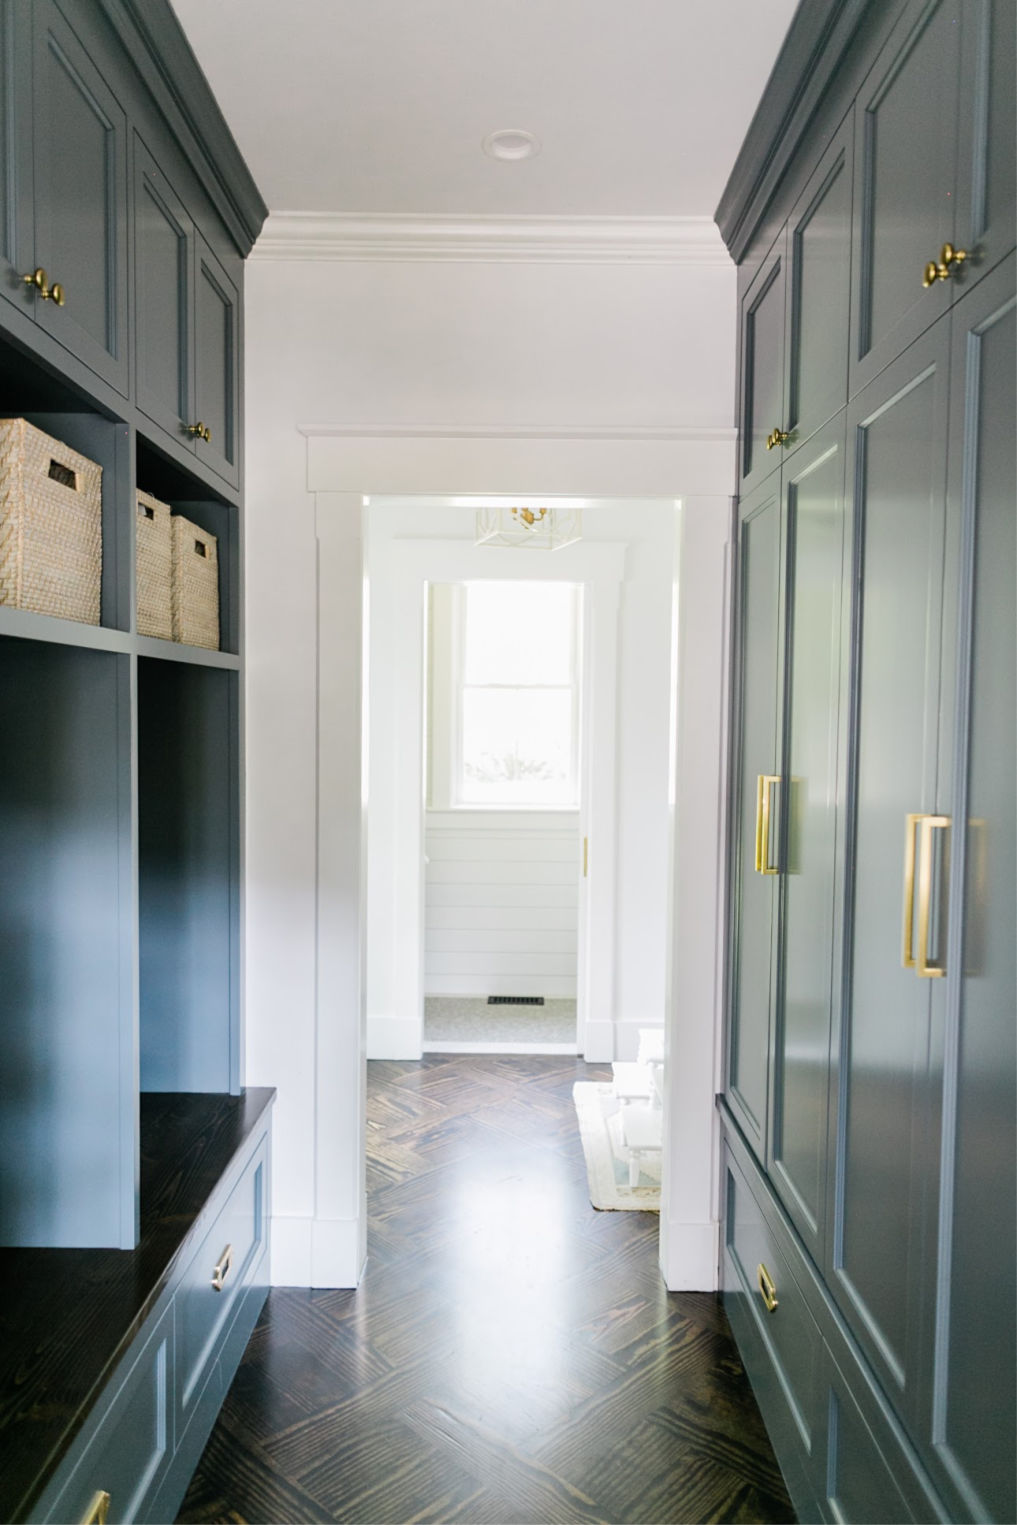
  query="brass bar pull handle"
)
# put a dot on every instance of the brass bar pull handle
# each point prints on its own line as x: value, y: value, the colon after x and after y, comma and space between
x: 765, y: 783
x: 907, y: 956
x: 219, y: 1272
x: 923, y: 968
x: 767, y: 1288
x: 98, y: 1509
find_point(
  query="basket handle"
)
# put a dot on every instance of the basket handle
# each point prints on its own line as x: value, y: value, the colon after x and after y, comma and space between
x: 58, y: 472
x: 200, y: 548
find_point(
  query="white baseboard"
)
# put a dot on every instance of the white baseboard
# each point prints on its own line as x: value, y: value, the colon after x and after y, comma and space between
x: 317, y: 1252
x: 598, y: 1042
x: 393, y: 1038
x: 689, y: 1256
x: 452, y: 1046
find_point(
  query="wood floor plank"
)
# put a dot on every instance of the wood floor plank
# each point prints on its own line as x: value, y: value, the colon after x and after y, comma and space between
x: 512, y: 1356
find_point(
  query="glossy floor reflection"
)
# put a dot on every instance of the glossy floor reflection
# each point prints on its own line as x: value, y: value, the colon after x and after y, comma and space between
x: 511, y: 1356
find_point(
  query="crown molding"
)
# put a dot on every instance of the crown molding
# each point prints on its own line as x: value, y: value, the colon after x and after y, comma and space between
x: 676, y: 433
x: 540, y: 240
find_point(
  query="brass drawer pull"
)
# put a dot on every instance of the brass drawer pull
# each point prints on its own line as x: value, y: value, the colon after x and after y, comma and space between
x: 220, y: 1271
x: 767, y: 1288
x: 924, y: 968
x: 98, y: 1509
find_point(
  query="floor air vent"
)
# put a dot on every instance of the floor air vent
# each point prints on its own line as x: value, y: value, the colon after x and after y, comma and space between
x: 515, y: 1000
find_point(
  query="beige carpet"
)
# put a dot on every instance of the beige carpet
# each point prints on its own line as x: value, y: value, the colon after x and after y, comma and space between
x: 607, y: 1159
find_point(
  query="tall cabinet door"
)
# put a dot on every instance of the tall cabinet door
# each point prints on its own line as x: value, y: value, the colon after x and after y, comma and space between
x: 814, y: 517
x: 974, y: 1397
x: 15, y: 153
x: 885, y: 1157
x: 755, y: 824
x: 905, y: 164
x: 80, y: 199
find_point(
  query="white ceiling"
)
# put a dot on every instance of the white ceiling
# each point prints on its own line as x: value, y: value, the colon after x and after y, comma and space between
x: 381, y: 106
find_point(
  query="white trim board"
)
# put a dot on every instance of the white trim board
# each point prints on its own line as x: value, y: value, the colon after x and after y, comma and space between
x: 684, y: 241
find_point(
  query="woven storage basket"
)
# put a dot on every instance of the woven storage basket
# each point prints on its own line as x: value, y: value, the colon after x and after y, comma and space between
x: 195, y: 602
x: 50, y: 525
x: 154, y: 566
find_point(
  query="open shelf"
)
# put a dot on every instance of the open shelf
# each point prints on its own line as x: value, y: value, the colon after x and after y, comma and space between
x: 188, y: 876
x: 67, y: 1129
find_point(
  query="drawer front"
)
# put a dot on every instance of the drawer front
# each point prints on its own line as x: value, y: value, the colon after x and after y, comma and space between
x: 206, y: 1296
x: 127, y: 1451
x: 778, y: 1338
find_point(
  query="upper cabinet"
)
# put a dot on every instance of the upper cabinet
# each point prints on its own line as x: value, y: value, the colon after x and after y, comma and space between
x: 794, y: 321
x: 79, y: 267
x: 119, y: 254
x: 186, y: 325
x: 934, y: 166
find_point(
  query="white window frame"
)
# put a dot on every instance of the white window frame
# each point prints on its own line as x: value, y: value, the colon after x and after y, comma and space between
x: 458, y: 684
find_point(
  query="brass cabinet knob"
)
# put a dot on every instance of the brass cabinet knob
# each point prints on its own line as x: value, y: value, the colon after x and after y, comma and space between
x: 48, y: 293
x: 777, y: 437
x: 200, y: 431
x: 949, y: 262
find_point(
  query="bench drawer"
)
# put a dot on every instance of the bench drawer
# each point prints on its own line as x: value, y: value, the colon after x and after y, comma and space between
x: 126, y: 1448
x: 778, y: 1338
x: 207, y: 1294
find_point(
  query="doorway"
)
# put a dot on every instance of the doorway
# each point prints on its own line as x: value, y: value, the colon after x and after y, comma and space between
x: 503, y: 849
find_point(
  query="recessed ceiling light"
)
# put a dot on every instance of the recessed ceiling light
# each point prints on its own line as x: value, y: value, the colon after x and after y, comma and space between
x: 511, y: 143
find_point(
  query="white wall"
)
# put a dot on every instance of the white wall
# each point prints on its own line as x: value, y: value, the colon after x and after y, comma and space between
x: 565, y: 350
x: 501, y: 896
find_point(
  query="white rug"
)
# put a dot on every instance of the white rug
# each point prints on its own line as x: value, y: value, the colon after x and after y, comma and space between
x: 607, y: 1159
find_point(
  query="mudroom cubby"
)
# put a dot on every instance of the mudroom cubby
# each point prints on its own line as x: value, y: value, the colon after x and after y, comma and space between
x: 128, y: 1143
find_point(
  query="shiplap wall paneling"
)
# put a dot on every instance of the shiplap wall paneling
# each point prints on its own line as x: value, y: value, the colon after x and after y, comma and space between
x: 502, y: 903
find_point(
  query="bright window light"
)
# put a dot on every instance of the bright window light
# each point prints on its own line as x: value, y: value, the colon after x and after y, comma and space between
x: 518, y: 695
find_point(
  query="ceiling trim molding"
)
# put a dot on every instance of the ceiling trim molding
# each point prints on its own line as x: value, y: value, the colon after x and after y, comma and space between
x: 567, y: 240
x: 675, y: 433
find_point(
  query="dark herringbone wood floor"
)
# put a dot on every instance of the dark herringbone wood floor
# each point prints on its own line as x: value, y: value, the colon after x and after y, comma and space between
x: 511, y: 1355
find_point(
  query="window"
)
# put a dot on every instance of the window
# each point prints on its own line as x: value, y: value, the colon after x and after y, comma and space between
x: 516, y: 697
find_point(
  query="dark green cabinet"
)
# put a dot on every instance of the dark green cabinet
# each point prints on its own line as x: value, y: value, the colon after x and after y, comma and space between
x: 216, y: 363
x: 80, y: 201
x: 892, y: 1005
x: 969, y: 1416
x: 755, y: 811
x: 186, y: 325
x: 15, y: 151
x: 870, y: 1043
x: 163, y: 297
x: 811, y: 769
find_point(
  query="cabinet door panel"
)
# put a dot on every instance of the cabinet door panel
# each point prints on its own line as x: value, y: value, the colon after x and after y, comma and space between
x: 762, y: 369
x: 15, y: 155
x: 756, y: 754
x: 819, y: 252
x: 217, y: 377
x: 905, y: 163
x: 897, y: 431
x: 163, y: 245
x: 814, y: 498
x: 81, y: 200
x: 975, y: 1395
x: 987, y: 169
